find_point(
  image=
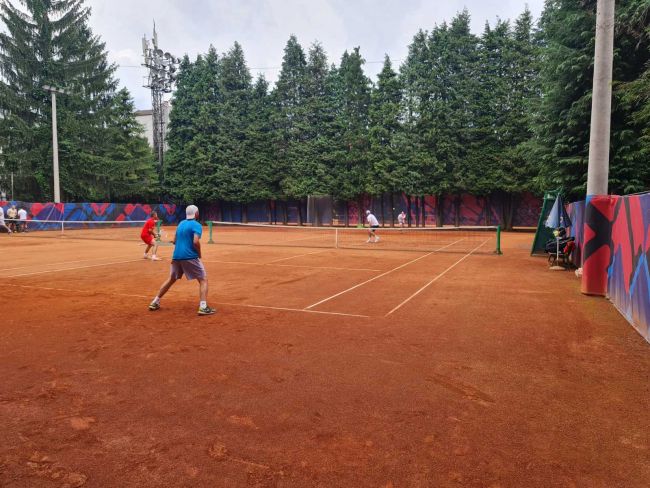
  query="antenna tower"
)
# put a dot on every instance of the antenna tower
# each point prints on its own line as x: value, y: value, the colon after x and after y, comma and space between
x: 162, y: 68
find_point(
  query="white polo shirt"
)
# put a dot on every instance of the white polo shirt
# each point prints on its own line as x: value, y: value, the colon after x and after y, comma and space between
x: 2, y: 216
x: 22, y: 214
x: 372, y: 220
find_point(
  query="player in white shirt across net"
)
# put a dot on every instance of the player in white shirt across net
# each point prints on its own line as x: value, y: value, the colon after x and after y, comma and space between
x: 373, y: 224
x: 401, y: 219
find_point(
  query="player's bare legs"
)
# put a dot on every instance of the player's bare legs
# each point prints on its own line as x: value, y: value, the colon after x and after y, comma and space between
x: 155, y: 304
x: 203, y: 290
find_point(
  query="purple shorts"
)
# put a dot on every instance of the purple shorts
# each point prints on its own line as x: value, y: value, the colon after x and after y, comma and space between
x: 193, y: 269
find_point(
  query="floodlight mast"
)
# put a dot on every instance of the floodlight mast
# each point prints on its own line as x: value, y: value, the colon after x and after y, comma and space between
x: 162, y: 68
x: 55, y: 142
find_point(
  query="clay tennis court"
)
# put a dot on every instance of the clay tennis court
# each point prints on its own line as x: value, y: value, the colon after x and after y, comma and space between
x: 323, y: 367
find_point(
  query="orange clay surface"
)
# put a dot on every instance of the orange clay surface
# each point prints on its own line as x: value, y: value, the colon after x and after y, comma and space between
x: 498, y: 374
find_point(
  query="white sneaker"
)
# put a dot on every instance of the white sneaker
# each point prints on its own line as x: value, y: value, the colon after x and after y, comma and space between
x: 377, y: 239
x: 368, y: 240
x: 145, y: 257
x: 155, y: 258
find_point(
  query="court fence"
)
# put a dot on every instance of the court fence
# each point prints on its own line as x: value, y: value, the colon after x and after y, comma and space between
x: 169, y: 214
x: 506, y: 210
x: 613, y: 247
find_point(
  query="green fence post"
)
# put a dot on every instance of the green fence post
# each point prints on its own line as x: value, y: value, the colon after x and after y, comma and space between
x: 158, y: 227
x: 210, y: 241
x: 498, y: 251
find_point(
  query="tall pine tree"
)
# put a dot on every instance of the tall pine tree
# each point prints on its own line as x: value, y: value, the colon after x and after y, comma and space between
x: 49, y: 42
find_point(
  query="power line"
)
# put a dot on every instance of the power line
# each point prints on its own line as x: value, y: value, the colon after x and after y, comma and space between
x: 265, y: 68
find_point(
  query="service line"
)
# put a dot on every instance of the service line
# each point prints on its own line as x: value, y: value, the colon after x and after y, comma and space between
x: 298, y: 256
x: 290, y: 265
x: 56, y: 262
x: 436, y: 278
x: 131, y: 295
x: 72, y: 269
x: 379, y: 276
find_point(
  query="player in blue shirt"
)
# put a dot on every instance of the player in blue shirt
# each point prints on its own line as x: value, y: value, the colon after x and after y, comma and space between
x: 186, y: 260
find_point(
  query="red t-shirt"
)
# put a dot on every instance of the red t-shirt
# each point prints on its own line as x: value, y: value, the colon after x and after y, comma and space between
x: 148, y: 226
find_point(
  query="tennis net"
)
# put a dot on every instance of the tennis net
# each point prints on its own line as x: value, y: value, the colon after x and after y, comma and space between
x: 118, y: 230
x: 442, y: 239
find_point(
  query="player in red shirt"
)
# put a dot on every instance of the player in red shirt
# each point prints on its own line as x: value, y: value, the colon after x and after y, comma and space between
x: 148, y: 235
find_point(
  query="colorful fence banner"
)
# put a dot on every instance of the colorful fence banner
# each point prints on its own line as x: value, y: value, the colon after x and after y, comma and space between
x: 168, y: 213
x: 596, y: 249
x: 461, y: 210
x: 613, y: 244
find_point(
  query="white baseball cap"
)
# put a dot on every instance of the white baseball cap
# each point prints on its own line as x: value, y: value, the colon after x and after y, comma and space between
x: 367, y: 212
x: 191, y: 211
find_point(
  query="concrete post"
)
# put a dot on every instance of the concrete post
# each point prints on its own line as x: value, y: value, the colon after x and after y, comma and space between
x: 601, y: 105
x: 55, y: 152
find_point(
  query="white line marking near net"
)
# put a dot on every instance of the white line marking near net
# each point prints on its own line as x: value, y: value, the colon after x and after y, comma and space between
x: 291, y: 265
x: 436, y: 278
x: 244, y: 305
x: 379, y: 276
x: 72, y: 269
x: 297, y: 256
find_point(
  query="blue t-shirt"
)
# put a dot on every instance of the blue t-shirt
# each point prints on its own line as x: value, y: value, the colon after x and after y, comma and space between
x: 184, y: 248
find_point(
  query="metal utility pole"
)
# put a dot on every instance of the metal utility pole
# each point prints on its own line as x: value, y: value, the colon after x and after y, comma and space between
x: 601, y: 105
x: 162, y: 75
x: 55, y: 142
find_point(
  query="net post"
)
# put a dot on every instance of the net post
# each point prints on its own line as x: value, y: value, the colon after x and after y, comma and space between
x: 498, y: 249
x: 62, y: 227
x: 210, y: 241
x: 158, y: 227
x: 336, y: 238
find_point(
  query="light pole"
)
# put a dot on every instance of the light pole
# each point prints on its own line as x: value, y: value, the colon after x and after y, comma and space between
x: 55, y: 142
x: 601, y: 105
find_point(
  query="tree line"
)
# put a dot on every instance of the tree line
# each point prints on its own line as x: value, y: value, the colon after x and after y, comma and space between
x: 494, y: 115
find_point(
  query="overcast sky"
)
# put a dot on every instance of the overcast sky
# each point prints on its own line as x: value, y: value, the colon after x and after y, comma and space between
x: 263, y: 26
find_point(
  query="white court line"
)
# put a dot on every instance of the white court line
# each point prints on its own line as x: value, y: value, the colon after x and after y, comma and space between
x: 294, y: 309
x: 57, y: 262
x: 436, y: 278
x: 71, y: 269
x: 217, y: 303
x: 378, y: 276
x: 290, y: 265
x: 297, y: 256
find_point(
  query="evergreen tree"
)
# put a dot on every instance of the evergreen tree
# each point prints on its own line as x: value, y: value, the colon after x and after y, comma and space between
x: 352, y: 95
x: 259, y: 172
x: 562, y: 127
x: 194, y: 125
x: 229, y: 126
x: 385, y: 136
x: 310, y: 173
x: 130, y: 174
x: 49, y: 43
x: 290, y: 120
